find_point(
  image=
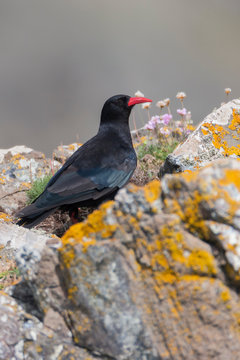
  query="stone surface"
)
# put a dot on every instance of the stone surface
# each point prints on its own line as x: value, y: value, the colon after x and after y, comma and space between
x: 153, y: 275
x: 167, y: 256
x: 63, y: 152
x: 216, y: 137
x: 23, y: 336
x: 208, y: 201
x: 19, y: 167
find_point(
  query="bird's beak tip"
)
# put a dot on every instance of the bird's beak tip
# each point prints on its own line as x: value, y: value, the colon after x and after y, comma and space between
x: 138, y: 100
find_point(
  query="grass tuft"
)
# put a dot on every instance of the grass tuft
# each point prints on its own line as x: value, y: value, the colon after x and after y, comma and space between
x: 37, y: 188
x: 159, y: 151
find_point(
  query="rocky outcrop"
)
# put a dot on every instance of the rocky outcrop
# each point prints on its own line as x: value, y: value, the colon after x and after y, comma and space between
x: 19, y: 167
x: 216, y: 137
x: 23, y: 336
x: 153, y: 275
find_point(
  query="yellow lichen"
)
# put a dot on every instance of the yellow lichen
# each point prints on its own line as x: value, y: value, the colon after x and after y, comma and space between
x: 84, y: 233
x: 201, y: 260
x: 189, y: 175
x: 5, y: 217
x: 3, y: 180
x: 218, y: 134
x: 205, y: 132
x: 39, y: 349
x: 232, y: 176
x: 72, y: 291
x: 152, y: 191
x: 235, y: 123
x: 225, y: 295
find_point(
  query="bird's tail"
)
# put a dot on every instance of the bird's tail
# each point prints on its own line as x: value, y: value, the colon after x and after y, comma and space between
x: 31, y: 220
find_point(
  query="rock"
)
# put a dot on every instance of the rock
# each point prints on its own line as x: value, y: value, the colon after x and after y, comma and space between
x: 208, y: 201
x: 63, y: 152
x: 145, y: 277
x: 19, y: 167
x: 19, y: 149
x: 31, y: 319
x: 23, y: 336
x: 216, y: 137
x: 152, y: 275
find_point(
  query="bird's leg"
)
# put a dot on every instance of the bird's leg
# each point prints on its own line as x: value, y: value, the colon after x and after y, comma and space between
x: 73, y: 213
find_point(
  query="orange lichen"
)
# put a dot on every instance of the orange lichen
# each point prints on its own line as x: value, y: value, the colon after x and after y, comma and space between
x: 84, y: 233
x: 16, y: 160
x: 218, y: 134
x: 85, y: 324
x: 205, y: 132
x: 166, y: 276
x: 232, y: 176
x: 191, y: 213
x: 167, y: 250
x: 133, y: 188
x: 190, y: 175
x: 94, y: 224
x: 68, y: 255
x: 5, y: 217
x: 235, y: 123
x: 25, y: 185
x: 39, y: 349
x: 72, y: 291
x: 3, y: 180
x: 175, y: 312
x: 237, y: 317
x: 225, y: 295
x: 152, y: 191
x: 202, y: 261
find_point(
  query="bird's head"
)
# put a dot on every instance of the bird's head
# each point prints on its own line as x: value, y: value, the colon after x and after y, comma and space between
x: 119, y: 107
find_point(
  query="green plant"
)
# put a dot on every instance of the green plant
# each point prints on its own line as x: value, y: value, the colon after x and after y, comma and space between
x: 159, y: 150
x: 37, y: 188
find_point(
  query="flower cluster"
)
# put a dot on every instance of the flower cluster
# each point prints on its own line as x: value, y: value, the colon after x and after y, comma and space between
x: 163, y: 124
x: 156, y: 120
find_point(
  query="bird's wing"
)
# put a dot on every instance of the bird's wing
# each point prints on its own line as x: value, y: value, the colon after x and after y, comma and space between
x: 76, y: 185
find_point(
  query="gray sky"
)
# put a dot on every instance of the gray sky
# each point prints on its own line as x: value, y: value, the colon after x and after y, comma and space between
x: 61, y: 59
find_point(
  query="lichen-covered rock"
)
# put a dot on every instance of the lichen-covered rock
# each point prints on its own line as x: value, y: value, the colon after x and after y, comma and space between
x: 147, y: 276
x: 153, y: 275
x: 19, y: 167
x: 216, y: 137
x: 208, y: 202
x: 32, y: 324
x: 63, y: 152
x: 23, y: 336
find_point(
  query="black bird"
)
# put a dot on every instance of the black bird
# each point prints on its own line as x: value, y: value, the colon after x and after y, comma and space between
x: 96, y: 171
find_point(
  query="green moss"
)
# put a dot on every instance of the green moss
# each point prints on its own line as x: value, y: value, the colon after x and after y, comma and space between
x: 37, y: 188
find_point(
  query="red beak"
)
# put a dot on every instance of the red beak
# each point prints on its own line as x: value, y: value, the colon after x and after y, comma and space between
x: 137, y: 100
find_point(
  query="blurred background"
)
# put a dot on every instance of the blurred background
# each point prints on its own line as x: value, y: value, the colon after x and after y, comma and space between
x: 60, y: 60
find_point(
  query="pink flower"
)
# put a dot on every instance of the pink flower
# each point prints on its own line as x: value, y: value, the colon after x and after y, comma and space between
x: 156, y: 119
x: 166, y: 118
x: 182, y: 112
x: 165, y: 131
x: 151, y: 125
